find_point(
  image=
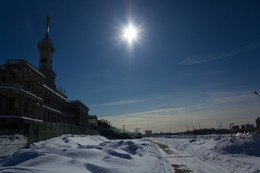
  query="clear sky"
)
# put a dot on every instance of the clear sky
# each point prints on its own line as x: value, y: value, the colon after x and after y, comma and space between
x: 195, y: 64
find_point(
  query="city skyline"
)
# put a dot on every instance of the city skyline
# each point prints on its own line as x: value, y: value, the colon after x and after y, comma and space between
x: 194, y: 63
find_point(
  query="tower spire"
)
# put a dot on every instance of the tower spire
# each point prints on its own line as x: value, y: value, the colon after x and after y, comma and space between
x: 47, y: 28
x: 47, y: 49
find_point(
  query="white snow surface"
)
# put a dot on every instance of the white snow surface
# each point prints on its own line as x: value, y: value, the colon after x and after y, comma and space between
x: 97, y: 154
x: 11, y: 143
x: 88, y: 154
x: 225, y: 155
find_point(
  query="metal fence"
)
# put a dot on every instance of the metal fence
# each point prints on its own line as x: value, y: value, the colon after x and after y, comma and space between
x: 198, y: 137
x: 44, y: 131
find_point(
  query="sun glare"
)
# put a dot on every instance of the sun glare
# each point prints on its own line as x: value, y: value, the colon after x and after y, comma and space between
x: 130, y: 33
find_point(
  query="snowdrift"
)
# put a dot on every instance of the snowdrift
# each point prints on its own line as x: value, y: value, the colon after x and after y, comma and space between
x: 97, y: 154
x: 229, y: 154
x: 88, y: 154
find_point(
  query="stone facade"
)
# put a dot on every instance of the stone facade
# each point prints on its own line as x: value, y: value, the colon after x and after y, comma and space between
x: 28, y: 94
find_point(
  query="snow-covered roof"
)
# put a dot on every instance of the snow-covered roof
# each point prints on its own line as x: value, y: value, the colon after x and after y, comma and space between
x: 23, y: 61
x: 20, y: 117
x: 20, y: 89
x: 47, y: 107
x: 54, y: 92
x: 55, y: 110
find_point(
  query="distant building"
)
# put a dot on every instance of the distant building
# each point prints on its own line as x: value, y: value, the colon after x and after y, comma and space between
x: 257, y: 123
x: 148, y: 133
x: 249, y: 126
x: 236, y: 127
x: 137, y: 130
x: 28, y: 94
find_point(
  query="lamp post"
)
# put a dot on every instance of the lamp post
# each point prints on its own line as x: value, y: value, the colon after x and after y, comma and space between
x: 257, y: 120
x: 256, y: 93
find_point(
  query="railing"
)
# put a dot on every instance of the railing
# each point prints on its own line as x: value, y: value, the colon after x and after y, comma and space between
x: 16, y: 61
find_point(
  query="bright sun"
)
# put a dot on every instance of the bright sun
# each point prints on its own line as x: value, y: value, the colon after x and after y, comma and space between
x: 130, y: 33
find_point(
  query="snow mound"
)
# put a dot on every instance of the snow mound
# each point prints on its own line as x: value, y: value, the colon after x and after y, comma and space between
x: 238, y: 146
x: 256, y: 136
x: 229, y: 154
x: 11, y: 143
x: 88, y: 154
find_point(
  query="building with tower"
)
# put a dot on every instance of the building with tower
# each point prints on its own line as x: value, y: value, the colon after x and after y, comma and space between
x: 30, y: 94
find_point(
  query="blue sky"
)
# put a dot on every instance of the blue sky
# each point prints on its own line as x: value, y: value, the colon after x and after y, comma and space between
x: 195, y: 62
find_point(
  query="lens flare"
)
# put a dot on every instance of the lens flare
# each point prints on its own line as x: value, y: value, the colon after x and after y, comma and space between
x: 130, y: 33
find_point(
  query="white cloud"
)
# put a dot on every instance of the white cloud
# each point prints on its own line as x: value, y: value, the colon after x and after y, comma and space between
x: 121, y: 102
x: 241, y: 109
x: 152, y: 113
x: 175, y: 119
x: 230, y: 96
x: 131, y: 101
x: 204, y: 59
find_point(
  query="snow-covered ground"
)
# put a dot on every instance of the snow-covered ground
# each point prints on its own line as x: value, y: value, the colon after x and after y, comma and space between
x: 11, y: 143
x: 213, y: 155
x: 96, y: 154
